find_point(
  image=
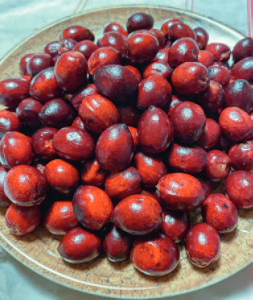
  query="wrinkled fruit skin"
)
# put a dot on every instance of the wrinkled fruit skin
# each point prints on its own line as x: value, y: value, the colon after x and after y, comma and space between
x: 202, y: 244
x: 155, y: 255
x: 137, y: 214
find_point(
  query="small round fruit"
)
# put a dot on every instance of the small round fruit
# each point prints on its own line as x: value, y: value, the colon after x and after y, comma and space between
x: 79, y: 245
x: 4, y: 200
x: 202, y: 244
x: 8, y: 122
x: 241, y: 156
x: 218, y: 165
x: 92, y: 173
x: 139, y: 21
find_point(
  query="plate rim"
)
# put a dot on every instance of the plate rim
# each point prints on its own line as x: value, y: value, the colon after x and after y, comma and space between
x: 18, y: 254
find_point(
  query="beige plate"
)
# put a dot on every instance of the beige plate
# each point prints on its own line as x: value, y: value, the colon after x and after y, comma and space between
x: 38, y: 250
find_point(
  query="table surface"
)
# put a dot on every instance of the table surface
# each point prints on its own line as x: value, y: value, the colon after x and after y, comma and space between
x: 21, y: 18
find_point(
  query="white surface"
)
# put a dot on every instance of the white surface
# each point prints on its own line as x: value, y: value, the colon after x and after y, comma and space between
x: 19, y: 19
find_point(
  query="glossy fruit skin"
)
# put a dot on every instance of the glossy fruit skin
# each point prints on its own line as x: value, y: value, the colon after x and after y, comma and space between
x: 240, y: 94
x: 175, y: 100
x: 202, y: 37
x: 135, y: 71
x: 115, y: 148
x: 202, y: 244
x: 116, y: 83
x: 4, y: 200
x: 243, y: 69
x: 235, y: 124
x: 211, y: 135
x: 52, y: 48
x: 167, y: 23
x: 219, y: 212
x: 22, y: 63
x: 241, y: 156
x: 188, y: 159
x: 218, y: 165
x: 56, y: 113
x: 79, y: 245
x: 123, y: 184
x: 13, y: 91
x: 77, y: 98
x: 102, y: 57
x: 114, y: 40
x: 22, y: 220
x: 73, y: 144
x: 243, y: 49
x: 28, y: 111
x: 183, y: 50
x: 98, y: 113
x: 129, y: 115
x: 150, y: 167
x: 190, y: 78
x: 70, y: 70
x: 39, y: 62
x: 85, y: 47
x: 179, y: 191
x: 139, y: 21
x: 221, y: 52
x: 137, y: 214
x: 44, y: 86
x: 189, y: 121
x: 8, y: 122
x: 92, y: 207
x: 135, y: 136
x: 60, y: 218
x: 205, y: 58
x: 42, y: 143
x: 25, y: 185
x: 66, y: 45
x: 154, y: 90
x: 112, y: 26
x: 77, y: 33
x: 93, y: 174
x: 180, y: 30
x: 62, y: 176
x: 155, y: 254
x: 142, y: 47
x: 162, y: 55
x: 219, y: 74
x: 238, y: 186
x: 212, y: 98
x: 15, y: 149
x: 117, y: 244
x: 159, y: 35
x: 161, y: 68
x: 175, y: 224
x: 154, y: 120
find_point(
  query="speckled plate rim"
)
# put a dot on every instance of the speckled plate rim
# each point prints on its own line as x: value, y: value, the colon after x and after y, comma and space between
x: 47, y: 272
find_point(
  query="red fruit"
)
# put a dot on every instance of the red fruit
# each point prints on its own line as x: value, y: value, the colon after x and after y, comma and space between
x: 190, y: 78
x: 39, y: 62
x: 62, y: 176
x: 189, y: 121
x: 66, y: 45
x: 22, y: 220
x: 88, y: 90
x: 22, y: 63
x: 86, y: 48
x: 42, y: 143
x: 15, y: 149
x: 117, y: 244
x: 111, y: 26
x: 219, y: 212
x: 175, y: 224
x: 180, y: 30
x: 28, y: 111
x: 98, y: 113
x: 92, y: 207
x: 93, y: 174
x: 60, y: 218
x: 25, y: 185
x: 114, y: 148
x: 139, y: 21
x: 52, y: 48
x: 202, y: 37
x: 241, y: 156
x: 70, y: 70
x: 8, y: 122
x: 219, y: 74
x: 129, y: 115
x: 179, y: 191
x: 159, y: 35
x: 155, y: 255
x: 136, y: 72
x: 79, y: 245
x: 221, y: 52
x: 154, y: 120
x: 121, y: 185
x: 137, y: 214
x: 114, y: 40
x: 211, y: 135
x: 205, y: 58
x: 239, y: 186
x: 218, y: 165
x: 161, y: 68
x: 77, y: 33
x: 167, y: 23
x: 243, y: 49
x: 202, y: 244
x: 13, y: 91
x: 4, y: 200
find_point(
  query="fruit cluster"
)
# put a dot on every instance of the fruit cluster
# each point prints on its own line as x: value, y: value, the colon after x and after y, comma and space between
x: 113, y: 144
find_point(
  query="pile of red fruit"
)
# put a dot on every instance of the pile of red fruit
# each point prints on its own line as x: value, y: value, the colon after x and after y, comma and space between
x: 112, y: 144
